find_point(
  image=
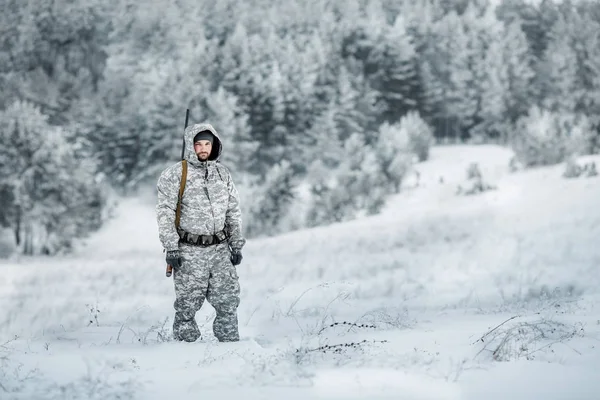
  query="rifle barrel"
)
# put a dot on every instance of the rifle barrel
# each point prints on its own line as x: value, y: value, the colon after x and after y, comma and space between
x: 169, y: 271
x: 187, y: 118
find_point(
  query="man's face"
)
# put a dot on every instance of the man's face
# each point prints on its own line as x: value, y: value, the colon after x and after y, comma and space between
x: 203, y: 149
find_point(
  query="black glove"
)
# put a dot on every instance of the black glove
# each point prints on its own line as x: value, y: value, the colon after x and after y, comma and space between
x: 174, y: 258
x: 236, y: 256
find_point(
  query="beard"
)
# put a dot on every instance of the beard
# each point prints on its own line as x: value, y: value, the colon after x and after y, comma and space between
x: 203, y: 156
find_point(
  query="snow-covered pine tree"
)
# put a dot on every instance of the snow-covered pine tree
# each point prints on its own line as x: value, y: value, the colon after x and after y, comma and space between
x: 231, y: 122
x: 583, y: 30
x: 261, y: 95
x: 448, y: 78
x: 329, y: 202
x: 394, y: 155
x: 484, y: 31
x: 494, y: 90
x: 234, y: 61
x: 361, y: 178
x: 52, y: 197
x: 463, y: 93
x: 420, y: 135
x: 53, y: 53
x: 434, y: 90
x: 347, y: 116
x: 328, y: 148
x: 518, y: 60
x: 558, y: 78
x: 277, y: 194
x: 328, y: 59
x: 299, y: 72
x: 392, y: 70
x: 356, y: 186
x: 220, y: 17
x: 159, y: 145
x: 275, y: 141
x: 590, y: 100
x: 322, y: 183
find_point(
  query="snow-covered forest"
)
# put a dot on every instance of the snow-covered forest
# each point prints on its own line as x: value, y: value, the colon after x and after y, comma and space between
x: 321, y: 103
x: 418, y: 188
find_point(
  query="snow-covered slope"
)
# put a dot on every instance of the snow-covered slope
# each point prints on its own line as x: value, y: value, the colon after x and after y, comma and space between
x: 429, y: 276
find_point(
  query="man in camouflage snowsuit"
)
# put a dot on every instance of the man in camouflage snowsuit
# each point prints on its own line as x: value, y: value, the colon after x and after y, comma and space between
x: 210, y: 214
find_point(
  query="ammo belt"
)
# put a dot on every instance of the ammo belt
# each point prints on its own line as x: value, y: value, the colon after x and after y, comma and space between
x: 202, y: 240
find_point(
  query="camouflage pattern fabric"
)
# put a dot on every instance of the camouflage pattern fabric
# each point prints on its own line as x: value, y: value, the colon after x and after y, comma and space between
x: 206, y: 274
x: 210, y: 204
x: 210, y: 200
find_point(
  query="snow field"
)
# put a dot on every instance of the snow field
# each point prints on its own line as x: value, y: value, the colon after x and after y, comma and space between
x: 429, y: 276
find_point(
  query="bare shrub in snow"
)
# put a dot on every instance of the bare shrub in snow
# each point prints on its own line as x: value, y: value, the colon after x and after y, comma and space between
x: 156, y: 333
x: 15, y: 379
x: 94, y: 312
x: 338, y: 348
x: 572, y: 169
x: 590, y: 169
x: 389, y: 317
x: 280, y: 368
x: 330, y: 345
x: 575, y: 170
x: 19, y: 382
x: 512, y: 340
x: 546, y: 138
x: 97, y: 384
x: 515, y: 165
x: 473, y: 171
x: 13, y: 376
x: 476, y: 182
x: 325, y: 335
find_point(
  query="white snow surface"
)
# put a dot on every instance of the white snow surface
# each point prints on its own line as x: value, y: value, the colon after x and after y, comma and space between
x: 423, y: 284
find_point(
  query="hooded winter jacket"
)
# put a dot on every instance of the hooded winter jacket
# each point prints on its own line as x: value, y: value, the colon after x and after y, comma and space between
x: 210, y: 201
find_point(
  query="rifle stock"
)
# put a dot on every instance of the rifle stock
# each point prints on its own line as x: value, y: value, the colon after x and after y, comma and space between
x: 169, y: 271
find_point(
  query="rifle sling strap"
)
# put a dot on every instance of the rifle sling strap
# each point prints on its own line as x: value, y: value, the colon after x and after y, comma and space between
x: 181, y: 189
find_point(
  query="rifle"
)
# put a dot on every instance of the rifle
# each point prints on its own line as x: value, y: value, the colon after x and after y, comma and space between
x: 182, y: 183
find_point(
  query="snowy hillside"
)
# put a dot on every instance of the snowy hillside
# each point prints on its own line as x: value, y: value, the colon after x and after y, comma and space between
x: 424, y: 284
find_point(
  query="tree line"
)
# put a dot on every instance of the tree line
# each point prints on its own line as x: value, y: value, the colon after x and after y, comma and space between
x: 333, y: 98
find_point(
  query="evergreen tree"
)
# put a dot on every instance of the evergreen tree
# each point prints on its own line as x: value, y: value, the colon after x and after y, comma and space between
x: 559, y: 83
x: 328, y: 148
x: 53, y: 53
x: 52, y: 197
x: 549, y: 137
x: 393, y: 154
x: 235, y: 60
x: 232, y: 124
x: 591, y: 96
x: 394, y: 65
x: 520, y: 75
x: 494, y: 92
x: 348, y: 117
x: 420, y: 135
x: 452, y: 92
x: 276, y: 197
x: 357, y: 186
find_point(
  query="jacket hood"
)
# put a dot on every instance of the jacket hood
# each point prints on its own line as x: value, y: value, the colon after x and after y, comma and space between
x: 189, y: 134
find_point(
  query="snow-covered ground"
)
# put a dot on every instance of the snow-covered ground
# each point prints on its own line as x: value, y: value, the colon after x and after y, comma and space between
x: 492, y: 296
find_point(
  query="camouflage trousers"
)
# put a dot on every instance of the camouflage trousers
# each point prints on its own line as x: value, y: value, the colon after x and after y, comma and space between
x: 206, y: 273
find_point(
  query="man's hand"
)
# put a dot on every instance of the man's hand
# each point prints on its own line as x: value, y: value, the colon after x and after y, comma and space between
x: 174, y: 259
x: 236, y: 256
